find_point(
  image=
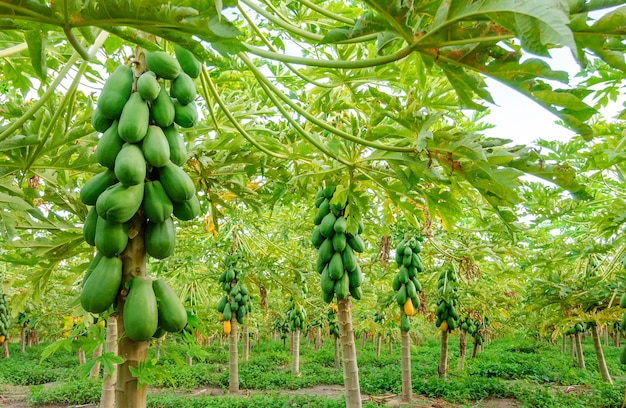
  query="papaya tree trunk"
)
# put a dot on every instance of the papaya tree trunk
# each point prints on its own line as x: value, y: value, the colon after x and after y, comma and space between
x: 363, y: 340
x: 107, y: 398
x: 295, y: 356
x: 616, y: 339
x: 462, y: 348
x: 23, y: 340
x: 407, y: 385
x: 318, y: 338
x: 233, y: 359
x: 189, y: 360
x: 563, y: 344
x: 245, y: 350
x: 442, y: 369
x: 336, y: 345
x: 572, y: 348
x: 291, y: 343
x: 348, y: 351
x: 475, y: 349
x: 390, y: 345
x: 5, y: 349
x: 604, y: 371
x: 128, y: 393
x: 379, y: 340
x: 157, y: 348
x: 95, y: 370
x: 579, y: 352
x: 605, y: 331
x: 81, y: 356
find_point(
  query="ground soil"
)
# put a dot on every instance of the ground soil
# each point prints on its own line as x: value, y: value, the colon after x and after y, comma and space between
x: 15, y: 397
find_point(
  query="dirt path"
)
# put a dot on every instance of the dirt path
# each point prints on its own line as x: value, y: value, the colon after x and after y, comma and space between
x: 15, y: 397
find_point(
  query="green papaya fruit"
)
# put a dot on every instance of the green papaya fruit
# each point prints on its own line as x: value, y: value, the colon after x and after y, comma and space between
x: 162, y: 64
x: 234, y: 305
x: 322, y: 211
x: 100, y: 289
x: 356, y: 278
x: 418, y: 286
x: 155, y: 147
x: 326, y: 283
x: 356, y: 292
x: 622, y: 301
x: 227, y: 313
x: 118, y: 203
x: 356, y: 243
x: 222, y: 303
x: 185, y: 115
x: 350, y: 262
x: 92, y: 265
x: 178, y: 150
x: 111, y: 238
x: 158, y: 333
x: 95, y: 186
x: 360, y: 227
x: 329, y: 191
x: 335, y: 267
x: 411, y: 291
x: 116, y: 92
x: 130, y: 165
x: 243, y: 289
x: 134, y: 121
x: 326, y: 226
x: 141, y: 312
x: 148, y: 86
x: 176, y: 182
x: 157, y: 206
x: 99, y: 122
x: 317, y: 239
x: 342, y: 287
x: 395, y: 284
x: 89, y: 226
x: 187, y: 210
x: 405, y: 326
x: 407, y: 260
x: 340, y: 225
x: 109, y: 145
x: 172, y: 313
x: 188, y: 62
x: 401, y: 296
x: 162, y: 109
x: 339, y: 241
x: 320, y: 264
x: 622, y: 355
x: 160, y: 238
x: 183, y: 89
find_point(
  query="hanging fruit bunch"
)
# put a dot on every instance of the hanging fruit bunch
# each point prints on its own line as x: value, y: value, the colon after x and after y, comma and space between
x: 336, y: 261
x: 405, y: 283
x: 141, y: 152
x: 295, y: 316
x: 333, y: 327
x: 474, y: 328
x: 236, y: 302
x: 447, y: 315
x: 5, y: 318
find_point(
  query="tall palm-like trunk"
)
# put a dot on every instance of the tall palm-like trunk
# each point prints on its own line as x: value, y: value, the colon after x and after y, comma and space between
x: 128, y: 393
x: 5, y: 349
x: 23, y: 339
x: 605, y: 331
x: 462, y: 348
x: 604, y: 371
x: 107, y: 398
x: 318, y: 338
x: 379, y: 340
x: 95, y: 370
x: 442, y: 369
x: 579, y: 352
x: 295, y: 356
x: 572, y: 348
x: 563, y: 344
x: 348, y: 351
x: 407, y: 385
x: 233, y: 359
x: 245, y: 350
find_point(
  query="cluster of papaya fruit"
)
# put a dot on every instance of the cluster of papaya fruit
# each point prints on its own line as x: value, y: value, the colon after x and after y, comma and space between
x: 622, y: 324
x: 333, y: 326
x: 336, y: 261
x: 473, y: 328
x: 405, y: 283
x: 236, y: 301
x: 575, y: 329
x: 5, y: 318
x: 447, y: 317
x: 151, y: 309
x: 141, y: 151
x: 295, y: 315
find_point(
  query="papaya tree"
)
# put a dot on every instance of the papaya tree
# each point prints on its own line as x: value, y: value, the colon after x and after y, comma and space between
x: 447, y: 316
x: 296, y: 319
x: 5, y: 324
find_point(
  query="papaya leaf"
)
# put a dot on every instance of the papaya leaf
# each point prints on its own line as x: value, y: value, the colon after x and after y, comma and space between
x: 36, y: 40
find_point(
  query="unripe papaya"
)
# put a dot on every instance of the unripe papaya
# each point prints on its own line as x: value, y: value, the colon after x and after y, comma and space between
x: 187, y: 210
x: 89, y: 226
x: 405, y: 326
x: 322, y: 210
x: 134, y: 121
x: 622, y: 355
x: 111, y: 238
x: 342, y: 287
x: 185, y: 115
x: 356, y: 292
x: 350, y: 262
x: 160, y: 238
x: 176, y: 182
x: 162, y: 109
x: 326, y: 226
x: 188, y: 62
x: 340, y: 225
x: 401, y: 296
x: 100, y: 122
x: 227, y: 313
x: 356, y: 243
x: 155, y: 147
x: 109, y: 145
x: 317, y: 239
x: 147, y: 86
x: 162, y: 64
x: 335, y: 267
x: 141, y: 314
x: 95, y: 186
x: 222, y: 303
x: 92, y: 265
x: 115, y: 92
x: 100, y: 289
x: 157, y: 206
x: 356, y: 278
x: 178, y: 150
x: 622, y: 301
x: 172, y: 313
x: 119, y: 203
x: 326, y: 283
x: 130, y: 165
x: 339, y: 241
x: 183, y: 89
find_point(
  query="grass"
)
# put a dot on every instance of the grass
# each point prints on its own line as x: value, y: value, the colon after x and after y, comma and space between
x: 533, y: 372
